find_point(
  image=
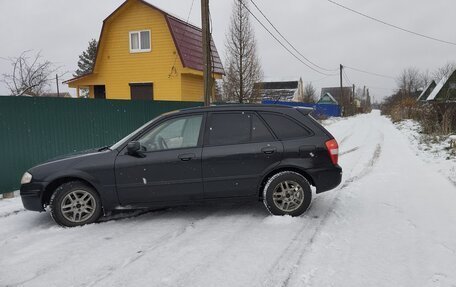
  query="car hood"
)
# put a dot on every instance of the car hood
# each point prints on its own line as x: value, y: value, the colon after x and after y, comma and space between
x: 73, y: 161
x: 73, y: 155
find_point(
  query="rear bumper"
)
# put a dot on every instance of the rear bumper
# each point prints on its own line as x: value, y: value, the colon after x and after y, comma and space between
x: 31, y: 195
x: 327, y: 178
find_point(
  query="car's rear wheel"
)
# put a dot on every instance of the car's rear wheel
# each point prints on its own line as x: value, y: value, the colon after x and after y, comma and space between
x: 75, y: 204
x: 287, y: 193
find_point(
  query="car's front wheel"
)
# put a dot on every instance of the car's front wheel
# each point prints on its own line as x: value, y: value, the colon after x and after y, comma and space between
x: 287, y: 193
x: 75, y: 204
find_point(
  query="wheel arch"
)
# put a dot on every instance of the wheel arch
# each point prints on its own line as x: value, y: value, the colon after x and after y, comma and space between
x: 265, y: 178
x: 55, y: 183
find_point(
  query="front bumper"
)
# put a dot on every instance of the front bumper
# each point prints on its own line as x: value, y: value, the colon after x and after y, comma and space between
x: 327, y: 179
x: 31, y: 195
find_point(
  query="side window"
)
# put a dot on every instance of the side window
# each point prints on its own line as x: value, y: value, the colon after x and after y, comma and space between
x: 260, y: 133
x: 236, y: 128
x: 283, y: 127
x: 172, y: 134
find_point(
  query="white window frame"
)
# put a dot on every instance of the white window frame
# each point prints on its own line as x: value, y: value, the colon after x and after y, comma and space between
x: 139, y: 39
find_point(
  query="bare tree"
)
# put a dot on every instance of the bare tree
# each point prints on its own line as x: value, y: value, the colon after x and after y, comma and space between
x: 30, y: 74
x: 310, y: 94
x: 409, y: 81
x: 444, y: 71
x: 243, y: 65
x: 425, y: 79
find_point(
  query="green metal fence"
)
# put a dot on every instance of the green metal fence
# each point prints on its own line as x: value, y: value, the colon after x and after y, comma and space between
x: 33, y: 130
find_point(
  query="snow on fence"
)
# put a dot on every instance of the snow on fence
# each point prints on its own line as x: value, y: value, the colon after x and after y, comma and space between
x: 35, y: 129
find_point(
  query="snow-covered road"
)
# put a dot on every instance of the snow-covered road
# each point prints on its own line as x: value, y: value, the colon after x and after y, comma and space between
x: 392, y: 222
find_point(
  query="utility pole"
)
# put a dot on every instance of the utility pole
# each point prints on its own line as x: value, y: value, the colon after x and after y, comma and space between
x: 352, y: 102
x: 353, y: 95
x: 207, y: 72
x: 342, y: 99
x: 57, y: 84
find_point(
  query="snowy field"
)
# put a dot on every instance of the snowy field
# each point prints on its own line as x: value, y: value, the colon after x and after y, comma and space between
x: 392, y: 222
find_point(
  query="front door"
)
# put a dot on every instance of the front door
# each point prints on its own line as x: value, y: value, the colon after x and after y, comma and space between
x: 238, y: 149
x: 169, y: 169
x: 99, y: 92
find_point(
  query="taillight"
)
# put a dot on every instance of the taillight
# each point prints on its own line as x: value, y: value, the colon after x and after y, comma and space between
x: 333, y: 150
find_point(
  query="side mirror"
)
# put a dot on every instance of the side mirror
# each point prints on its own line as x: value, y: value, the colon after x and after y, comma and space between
x: 134, y: 148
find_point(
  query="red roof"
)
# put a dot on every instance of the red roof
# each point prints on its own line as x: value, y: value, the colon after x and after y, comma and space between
x: 188, y: 41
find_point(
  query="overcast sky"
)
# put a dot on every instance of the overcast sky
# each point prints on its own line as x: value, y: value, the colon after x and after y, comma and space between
x: 323, y: 32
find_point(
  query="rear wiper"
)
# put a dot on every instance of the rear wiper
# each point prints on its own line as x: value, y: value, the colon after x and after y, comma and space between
x: 104, y: 148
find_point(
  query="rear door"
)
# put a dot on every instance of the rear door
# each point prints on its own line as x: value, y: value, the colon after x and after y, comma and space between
x: 238, y: 149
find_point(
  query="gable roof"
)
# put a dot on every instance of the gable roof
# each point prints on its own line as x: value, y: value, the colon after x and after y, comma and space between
x: 427, y: 91
x: 330, y: 96
x: 444, y: 89
x: 437, y: 89
x: 335, y: 93
x: 284, y: 91
x: 187, y: 39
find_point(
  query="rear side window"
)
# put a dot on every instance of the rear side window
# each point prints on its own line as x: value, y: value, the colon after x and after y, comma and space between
x: 285, y: 128
x: 236, y: 128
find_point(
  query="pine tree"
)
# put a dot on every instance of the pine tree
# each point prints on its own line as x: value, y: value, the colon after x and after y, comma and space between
x: 87, y: 59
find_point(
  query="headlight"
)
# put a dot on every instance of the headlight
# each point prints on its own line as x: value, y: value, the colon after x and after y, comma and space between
x: 26, y: 178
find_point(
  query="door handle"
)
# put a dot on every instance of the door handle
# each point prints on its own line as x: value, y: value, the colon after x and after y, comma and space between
x: 269, y: 150
x: 186, y: 156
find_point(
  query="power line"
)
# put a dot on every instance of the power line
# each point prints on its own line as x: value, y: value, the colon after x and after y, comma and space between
x: 321, y: 79
x: 347, y: 78
x: 370, y: 73
x: 286, y: 40
x: 280, y: 42
x: 392, y: 25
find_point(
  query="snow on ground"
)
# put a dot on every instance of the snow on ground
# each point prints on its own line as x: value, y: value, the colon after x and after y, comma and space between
x: 434, y: 150
x: 390, y: 223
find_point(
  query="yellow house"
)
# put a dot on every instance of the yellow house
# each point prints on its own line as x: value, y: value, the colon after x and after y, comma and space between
x: 145, y: 53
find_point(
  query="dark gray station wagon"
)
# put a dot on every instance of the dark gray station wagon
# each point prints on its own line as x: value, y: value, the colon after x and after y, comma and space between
x: 231, y: 152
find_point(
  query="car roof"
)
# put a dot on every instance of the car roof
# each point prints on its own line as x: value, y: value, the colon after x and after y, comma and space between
x: 246, y: 107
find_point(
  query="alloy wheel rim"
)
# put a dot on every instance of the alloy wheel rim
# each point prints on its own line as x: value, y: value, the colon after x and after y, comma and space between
x: 288, y: 196
x: 78, y: 206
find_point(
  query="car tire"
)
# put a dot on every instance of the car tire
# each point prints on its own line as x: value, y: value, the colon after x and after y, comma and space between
x: 75, y: 204
x: 287, y: 193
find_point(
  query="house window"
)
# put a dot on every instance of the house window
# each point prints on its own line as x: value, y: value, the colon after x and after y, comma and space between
x: 140, y: 41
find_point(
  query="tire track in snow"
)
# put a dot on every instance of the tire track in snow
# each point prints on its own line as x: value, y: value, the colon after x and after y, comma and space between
x: 344, y: 139
x: 349, y: 151
x: 163, y: 242
x: 282, y: 264
x: 167, y: 237
x: 368, y: 168
x: 11, y: 213
x: 183, y: 280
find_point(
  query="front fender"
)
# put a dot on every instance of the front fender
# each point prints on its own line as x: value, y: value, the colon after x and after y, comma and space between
x: 106, y: 190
